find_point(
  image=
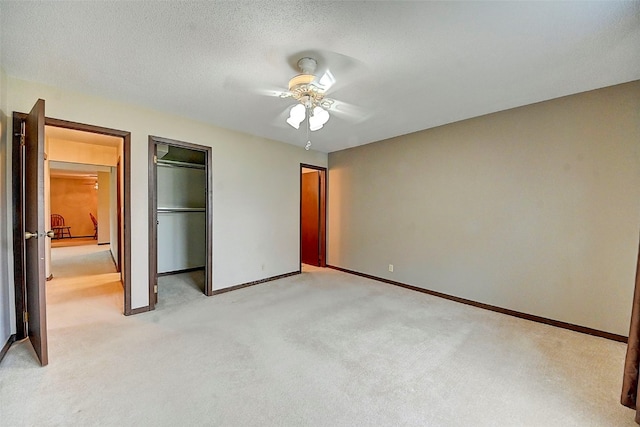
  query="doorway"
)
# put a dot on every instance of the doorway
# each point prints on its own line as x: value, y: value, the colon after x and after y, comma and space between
x: 82, y: 259
x: 30, y: 224
x: 313, y: 192
x: 180, y: 218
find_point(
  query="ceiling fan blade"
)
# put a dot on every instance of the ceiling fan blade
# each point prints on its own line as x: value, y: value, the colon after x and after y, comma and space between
x: 238, y: 86
x: 325, y: 81
x: 281, y: 119
x: 350, y: 112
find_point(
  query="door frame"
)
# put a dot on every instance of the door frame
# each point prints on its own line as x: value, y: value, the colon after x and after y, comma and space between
x: 17, y: 172
x: 322, y: 224
x: 153, y: 213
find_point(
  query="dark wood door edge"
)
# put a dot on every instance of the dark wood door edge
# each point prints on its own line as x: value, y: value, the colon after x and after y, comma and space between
x: 5, y: 347
x: 125, y: 255
x: 531, y: 317
x: 18, y: 227
x: 255, y: 282
x: 153, y: 220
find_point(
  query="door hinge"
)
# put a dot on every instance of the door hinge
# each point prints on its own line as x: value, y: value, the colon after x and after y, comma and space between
x: 25, y: 317
x: 155, y: 289
x: 155, y: 159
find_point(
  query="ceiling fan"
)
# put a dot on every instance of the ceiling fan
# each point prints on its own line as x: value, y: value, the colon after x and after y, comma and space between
x: 309, y: 88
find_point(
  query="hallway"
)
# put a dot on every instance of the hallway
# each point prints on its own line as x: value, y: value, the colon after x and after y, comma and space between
x: 85, y: 287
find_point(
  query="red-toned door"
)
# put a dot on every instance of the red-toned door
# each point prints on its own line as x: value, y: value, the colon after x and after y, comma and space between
x: 310, y: 224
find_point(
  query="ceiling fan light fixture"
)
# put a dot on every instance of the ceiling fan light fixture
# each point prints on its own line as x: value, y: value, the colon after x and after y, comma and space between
x: 296, y: 115
x: 318, y: 118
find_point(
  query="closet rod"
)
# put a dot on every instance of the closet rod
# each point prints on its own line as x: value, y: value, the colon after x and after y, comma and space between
x: 178, y: 164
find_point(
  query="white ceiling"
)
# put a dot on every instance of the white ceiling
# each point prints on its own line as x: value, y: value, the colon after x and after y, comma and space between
x: 410, y: 65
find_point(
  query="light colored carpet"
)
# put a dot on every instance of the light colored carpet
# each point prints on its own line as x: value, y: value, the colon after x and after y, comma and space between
x: 85, y: 260
x: 76, y: 241
x: 319, y: 349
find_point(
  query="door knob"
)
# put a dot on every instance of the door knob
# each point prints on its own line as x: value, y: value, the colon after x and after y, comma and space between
x: 28, y: 235
x: 51, y: 234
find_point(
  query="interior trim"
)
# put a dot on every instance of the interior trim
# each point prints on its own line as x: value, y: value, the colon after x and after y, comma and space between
x: 533, y: 318
x: 139, y: 310
x: 255, y: 282
x: 5, y: 348
x: 322, y: 226
x: 115, y: 264
x: 126, y: 159
x: 152, y: 175
x: 125, y: 254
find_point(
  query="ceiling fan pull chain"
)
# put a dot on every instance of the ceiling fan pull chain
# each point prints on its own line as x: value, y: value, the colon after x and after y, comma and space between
x: 308, y: 146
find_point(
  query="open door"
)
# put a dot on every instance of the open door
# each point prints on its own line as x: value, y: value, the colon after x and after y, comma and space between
x: 34, y: 229
x: 312, y: 215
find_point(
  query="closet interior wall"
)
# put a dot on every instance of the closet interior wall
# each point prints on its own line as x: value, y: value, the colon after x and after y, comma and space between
x: 181, y: 216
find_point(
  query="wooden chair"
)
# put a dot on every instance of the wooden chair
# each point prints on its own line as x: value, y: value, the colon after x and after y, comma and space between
x: 95, y: 225
x: 60, y: 231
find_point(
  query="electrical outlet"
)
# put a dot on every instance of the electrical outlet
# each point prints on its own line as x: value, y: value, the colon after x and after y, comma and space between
x: 391, y: 268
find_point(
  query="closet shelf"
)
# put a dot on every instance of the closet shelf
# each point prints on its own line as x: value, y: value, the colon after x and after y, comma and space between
x: 179, y: 164
x: 170, y: 210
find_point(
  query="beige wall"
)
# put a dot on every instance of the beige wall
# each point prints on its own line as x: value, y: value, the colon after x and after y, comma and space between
x: 113, y: 215
x: 7, y: 311
x: 103, y: 216
x: 79, y: 152
x: 256, y: 184
x: 73, y: 199
x: 535, y: 209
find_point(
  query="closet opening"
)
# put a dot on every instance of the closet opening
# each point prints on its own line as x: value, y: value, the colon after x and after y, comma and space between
x: 180, y: 220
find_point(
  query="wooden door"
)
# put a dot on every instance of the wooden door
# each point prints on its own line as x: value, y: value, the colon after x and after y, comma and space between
x: 34, y: 228
x: 310, y: 222
x: 119, y: 216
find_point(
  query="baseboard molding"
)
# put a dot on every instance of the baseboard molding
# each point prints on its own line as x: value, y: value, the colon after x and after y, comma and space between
x: 5, y: 348
x: 186, y: 270
x: 255, y: 282
x: 533, y: 318
x: 115, y: 264
x: 105, y: 243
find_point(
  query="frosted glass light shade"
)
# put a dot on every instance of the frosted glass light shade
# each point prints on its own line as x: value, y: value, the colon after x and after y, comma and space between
x: 319, y: 117
x: 296, y: 115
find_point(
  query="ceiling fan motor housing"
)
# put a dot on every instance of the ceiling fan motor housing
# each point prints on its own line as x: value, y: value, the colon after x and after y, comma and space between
x: 301, y: 80
x: 307, y: 65
x: 307, y: 68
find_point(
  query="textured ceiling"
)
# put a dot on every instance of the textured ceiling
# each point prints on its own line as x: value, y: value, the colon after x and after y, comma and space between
x: 408, y: 65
